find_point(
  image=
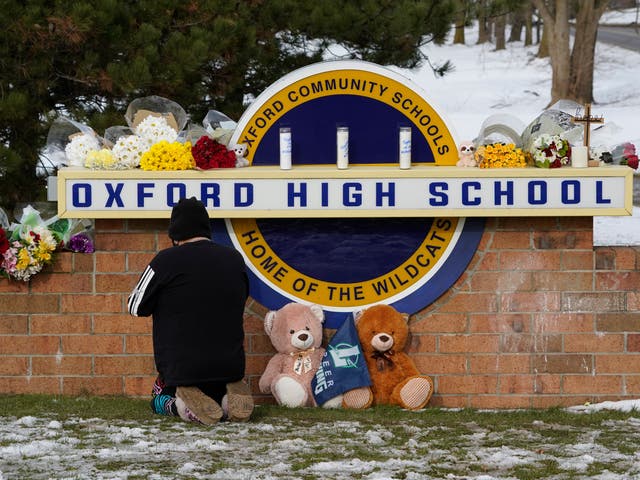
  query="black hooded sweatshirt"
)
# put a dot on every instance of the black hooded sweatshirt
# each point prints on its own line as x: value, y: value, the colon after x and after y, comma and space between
x: 196, y: 293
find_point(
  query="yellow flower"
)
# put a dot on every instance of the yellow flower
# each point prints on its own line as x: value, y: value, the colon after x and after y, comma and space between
x: 168, y: 156
x: 24, y: 259
x: 499, y: 155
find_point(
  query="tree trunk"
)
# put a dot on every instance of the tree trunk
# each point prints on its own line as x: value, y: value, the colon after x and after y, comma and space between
x: 517, y: 24
x: 483, y: 27
x: 500, y: 26
x: 583, y: 53
x: 543, y: 46
x: 528, y: 25
x: 461, y: 19
x: 556, y: 26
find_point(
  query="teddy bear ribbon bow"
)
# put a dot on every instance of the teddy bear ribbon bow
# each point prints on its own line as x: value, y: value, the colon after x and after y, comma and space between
x: 383, y: 359
x: 302, y: 363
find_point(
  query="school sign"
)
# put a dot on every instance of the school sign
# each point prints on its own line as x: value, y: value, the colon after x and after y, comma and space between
x: 365, y: 233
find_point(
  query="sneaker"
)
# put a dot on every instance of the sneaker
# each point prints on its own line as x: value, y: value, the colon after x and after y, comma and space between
x: 239, y: 401
x: 205, y: 408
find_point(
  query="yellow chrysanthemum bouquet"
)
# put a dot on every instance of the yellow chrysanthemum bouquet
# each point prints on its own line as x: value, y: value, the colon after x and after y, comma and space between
x: 500, y: 155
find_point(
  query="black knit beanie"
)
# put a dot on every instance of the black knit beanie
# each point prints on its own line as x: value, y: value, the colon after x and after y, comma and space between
x: 189, y: 218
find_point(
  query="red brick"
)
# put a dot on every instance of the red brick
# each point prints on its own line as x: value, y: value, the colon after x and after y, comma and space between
x: 138, y: 344
x: 605, y: 259
x: 627, y: 258
x: 633, y: 342
x: 440, y: 364
x: 92, y: 386
x: 530, y: 260
x: 531, y: 302
x: 62, y: 263
x: 613, y: 363
x: 421, y: 344
x: 109, y: 225
x: 500, y: 401
x: 60, y: 324
x: 563, y: 239
x: 563, y: 281
x: 499, y: 323
x: 126, y: 242
x: 30, y: 384
x: 253, y: 324
x: 72, y: 303
x: 555, y: 401
x: 13, y: 286
x: 113, y: 262
x: 92, y: 344
x: 139, y: 386
x: 490, y: 261
x: 504, y: 364
x: 531, y: 384
x: 14, y: 365
x: 633, y: 301
x: 109, y: 283
x: 256, y: 364
x: 509, y: 240
x: 61, y: 365
x: 593, y: 302
x: 471, y: 302
x: 563, y: 322
x: 160, y: 225
x: 62, y: 282
x: 124, y: 365
x: 596, y: 385
x: 121, y: 323
x: 137, y: 262
x: 469, y: 384
x: 469, y: 343
x: 13, y: 324
x: 577, y: 260
x: 611, y: 281
x: 29, y: 303
x: 526, y: 343
x: 594, y: 343
x: 618, y: 322
x: 449, y: 401
x: 512, y: 281
x: 439, y: 323
x: 632, y: 384
x: 84, y: 263
x: 563, y: 363
x: 36, y: 344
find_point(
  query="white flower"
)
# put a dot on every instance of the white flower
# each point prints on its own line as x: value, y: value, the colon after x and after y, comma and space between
x: 77, y: 149
x: 155, y: 129
x: 128, y: 150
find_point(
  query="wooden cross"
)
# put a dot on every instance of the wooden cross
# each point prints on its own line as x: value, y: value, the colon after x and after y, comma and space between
x: 587, y: 119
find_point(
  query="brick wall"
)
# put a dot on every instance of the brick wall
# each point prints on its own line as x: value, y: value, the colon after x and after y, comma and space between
x: 540, y: 318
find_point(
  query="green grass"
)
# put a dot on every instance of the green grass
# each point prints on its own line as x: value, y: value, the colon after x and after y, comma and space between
x: 100, y: 437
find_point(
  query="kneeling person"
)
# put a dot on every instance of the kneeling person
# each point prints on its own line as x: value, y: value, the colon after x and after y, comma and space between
x: 196, y: 292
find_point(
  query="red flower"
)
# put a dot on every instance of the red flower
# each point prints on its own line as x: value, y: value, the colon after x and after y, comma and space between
x: 4, y: 242
x: 209, y: 154
x: 556, y: 163
x: 632, y: 161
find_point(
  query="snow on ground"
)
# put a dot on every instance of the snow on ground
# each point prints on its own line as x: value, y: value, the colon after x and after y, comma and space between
x: 161, y: 448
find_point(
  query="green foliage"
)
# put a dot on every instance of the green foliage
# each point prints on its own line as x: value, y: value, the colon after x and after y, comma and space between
x: 89, y: 59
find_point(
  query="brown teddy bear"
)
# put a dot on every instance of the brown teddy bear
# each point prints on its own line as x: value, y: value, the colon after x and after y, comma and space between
x: 296, y: 333
x: 395, y: 380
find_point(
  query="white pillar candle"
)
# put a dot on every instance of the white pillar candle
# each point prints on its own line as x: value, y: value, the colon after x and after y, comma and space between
x: 579, y: 156
x: 285, y: 148
x: 342, y: 147
x: 405, y: 147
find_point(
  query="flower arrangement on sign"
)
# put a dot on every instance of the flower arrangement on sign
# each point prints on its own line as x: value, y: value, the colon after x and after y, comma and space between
x: 155, y: 138
x: 550, y: 151
x: 29, y: 246
x: 623, y: 154
x: 500, y: 155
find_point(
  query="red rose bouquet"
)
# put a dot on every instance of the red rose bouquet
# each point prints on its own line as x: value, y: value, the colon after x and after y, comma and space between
x: 210, y: 154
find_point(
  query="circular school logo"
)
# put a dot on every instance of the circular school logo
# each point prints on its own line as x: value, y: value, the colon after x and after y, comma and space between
x: 347, y: 264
